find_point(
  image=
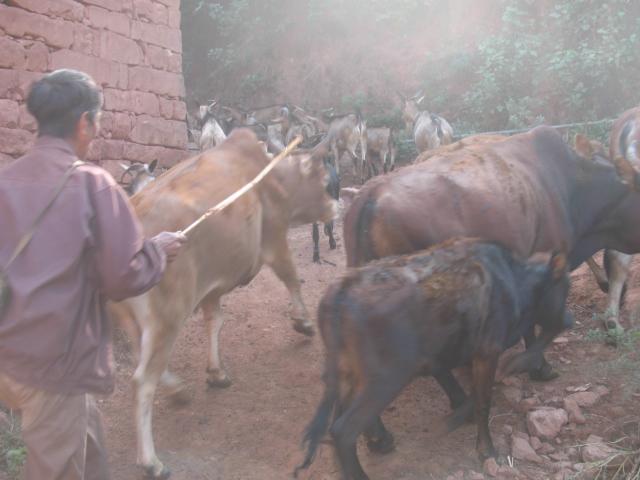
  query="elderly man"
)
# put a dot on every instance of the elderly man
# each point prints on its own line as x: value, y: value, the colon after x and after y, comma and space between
x: 55, y: 337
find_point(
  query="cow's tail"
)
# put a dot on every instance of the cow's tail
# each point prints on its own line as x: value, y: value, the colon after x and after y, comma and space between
x: 330, y: 315
x: 357, y: 226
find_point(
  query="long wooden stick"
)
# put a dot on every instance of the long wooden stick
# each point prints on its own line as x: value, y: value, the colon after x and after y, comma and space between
x: 234, y: 196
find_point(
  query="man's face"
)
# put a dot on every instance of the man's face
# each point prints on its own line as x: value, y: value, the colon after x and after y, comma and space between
x: 86, y: 131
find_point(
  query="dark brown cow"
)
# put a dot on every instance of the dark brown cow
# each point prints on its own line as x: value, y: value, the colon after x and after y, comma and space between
x: 225, y: 251
x: 530, y: 192
x: 624, y: 142
x: 459, y: 303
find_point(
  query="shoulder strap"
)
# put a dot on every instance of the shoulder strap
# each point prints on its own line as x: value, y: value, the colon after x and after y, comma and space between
x: 26, y: 238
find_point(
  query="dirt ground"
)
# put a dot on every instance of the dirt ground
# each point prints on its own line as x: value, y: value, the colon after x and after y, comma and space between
x: 252, y: 430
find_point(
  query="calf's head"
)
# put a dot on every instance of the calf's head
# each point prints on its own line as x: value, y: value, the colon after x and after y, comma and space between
x: 306, y: 178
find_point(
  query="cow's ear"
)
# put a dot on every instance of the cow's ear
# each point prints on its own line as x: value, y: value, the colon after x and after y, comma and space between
x: 558, y: 265
x: 583, y: 146
x: 152, y: 166
x: 627, y: 173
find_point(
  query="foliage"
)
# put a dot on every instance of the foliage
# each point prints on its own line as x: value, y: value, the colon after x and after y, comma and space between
x: 540, y: 62
x: 12, y: 451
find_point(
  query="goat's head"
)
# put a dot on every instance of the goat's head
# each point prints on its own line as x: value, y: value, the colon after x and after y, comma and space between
x: 141, y: 175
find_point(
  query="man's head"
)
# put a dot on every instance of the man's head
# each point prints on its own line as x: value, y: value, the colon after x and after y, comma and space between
x: 66, y: 104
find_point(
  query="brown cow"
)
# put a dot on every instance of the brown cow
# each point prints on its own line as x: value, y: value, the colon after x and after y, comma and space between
x: 530, y: 192
x: 624, y: 142
x: 459, y: 303
x: 225, y: 251
x: 429, y: 130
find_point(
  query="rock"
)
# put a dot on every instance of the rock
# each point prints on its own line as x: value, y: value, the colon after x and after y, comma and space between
x: 572, y: 452
x: 475, y: 476
x: 490, y: 467
x: 522, y: 450
x: 507, y: 429
x: 578, y: 467
x: 528, y: 404
x: 584, y: 399
x: 601, y: 390
x: 507, y: 472
x: 596, y: 450
x: 573, y: 409
x: 559, y: 456
x: 563, y: 474
x: 560, y: 340
x: 535, y: 443
x: 459, y: 475
x: 512, y: 381
x: 513, y: 395
x: 546, y: 422
x: 546, y: 448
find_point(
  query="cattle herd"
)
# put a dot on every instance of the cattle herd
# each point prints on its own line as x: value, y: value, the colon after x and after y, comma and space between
x: 451, y: 259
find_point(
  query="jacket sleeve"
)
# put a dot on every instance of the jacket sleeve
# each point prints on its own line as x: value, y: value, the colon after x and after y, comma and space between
x: 127, y: 264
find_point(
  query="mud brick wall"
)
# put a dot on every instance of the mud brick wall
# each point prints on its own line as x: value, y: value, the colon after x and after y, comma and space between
x: 132, y: 48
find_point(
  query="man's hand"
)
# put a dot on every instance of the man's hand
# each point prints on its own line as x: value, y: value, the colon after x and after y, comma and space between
x: 171, y: 243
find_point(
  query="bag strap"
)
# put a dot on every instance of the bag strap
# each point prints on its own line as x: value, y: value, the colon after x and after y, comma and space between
x: 26, y: 238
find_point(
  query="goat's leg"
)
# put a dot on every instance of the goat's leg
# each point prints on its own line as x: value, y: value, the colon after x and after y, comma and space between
x: 282, y: 265
x: 328, y: 231
x: 483, y: 370
x: 617, y: 269
x: 599, y: 273
x: 315, y: 235
x: 157, y: 341
x: 213, y: 317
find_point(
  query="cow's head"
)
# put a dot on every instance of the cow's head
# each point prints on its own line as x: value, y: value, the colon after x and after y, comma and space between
x: 306, y: 178
x: 626, y: 164
x: 141, y: 175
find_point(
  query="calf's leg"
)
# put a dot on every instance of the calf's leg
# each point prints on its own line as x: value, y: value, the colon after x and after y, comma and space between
x: 282, y: 265
x: 483, y: 370
x: 213, y: 317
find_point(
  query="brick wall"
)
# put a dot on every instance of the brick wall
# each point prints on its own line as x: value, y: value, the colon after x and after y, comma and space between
x: 132, y: 48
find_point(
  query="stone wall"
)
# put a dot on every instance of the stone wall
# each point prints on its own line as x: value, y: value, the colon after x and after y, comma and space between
x: 132, y: 48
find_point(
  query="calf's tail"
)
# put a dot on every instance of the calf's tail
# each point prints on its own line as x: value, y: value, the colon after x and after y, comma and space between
x: 329, y: 313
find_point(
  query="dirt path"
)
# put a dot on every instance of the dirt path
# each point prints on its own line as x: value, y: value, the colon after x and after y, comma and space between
x: 253, y: 429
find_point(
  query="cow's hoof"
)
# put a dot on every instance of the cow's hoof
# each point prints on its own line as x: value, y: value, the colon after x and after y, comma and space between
x: 332, y: 245
x: 381, y: 445
x: 180, y: 397
x: 305, y: 329
x: 153, y: 473
x: 316, y: 259
x: 545, y: 373
x: 219, y: 382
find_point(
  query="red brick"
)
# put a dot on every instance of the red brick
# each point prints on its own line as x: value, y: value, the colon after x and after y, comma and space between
x: 105, y: 73
x: 174, y: 18
x: 114, y: 21
x: 20, y: 23
x: 9, y: 113
x: 171, y: 156
x: 156, y: 131
x: 67, y: 9
x: 114, y: 5
x: 150, y: 11
x: 135, y: 152
x: 8, y: 82
x: 121, y: 128
x: 120, y: 49
x: 37, y: 57
x: 25, y: 79
x: 26, y: 120
x: 12, y: 53
x: 175, y: 63
x: 14, y: 141
x: 86, y: 40
x: 131, y: 101
x: 156, y: 81
x: 101, y: 148
x: 173, y: 4
x: 179, y: 110
x: 158, y: 35
x: 166, y: 108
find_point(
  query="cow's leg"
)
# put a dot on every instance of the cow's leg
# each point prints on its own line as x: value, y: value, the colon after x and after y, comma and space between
x: 214, y: 319
x: 361, y: 415
x: 282, y: 265
x: 157, y: 341
x: 599, y: 273
x: 483, y: 370
x: 336, y: 157
x: 379, y: 439
x: 461, y: 404
x: 617, y: 269
x: 544, y: 372
x: 328, y: 231
x: 315, y: 235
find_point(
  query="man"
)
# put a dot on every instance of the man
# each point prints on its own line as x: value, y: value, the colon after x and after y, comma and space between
x: 55, y: 337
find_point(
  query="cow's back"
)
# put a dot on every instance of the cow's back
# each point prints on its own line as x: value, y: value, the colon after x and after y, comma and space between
x: 503, y: 191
